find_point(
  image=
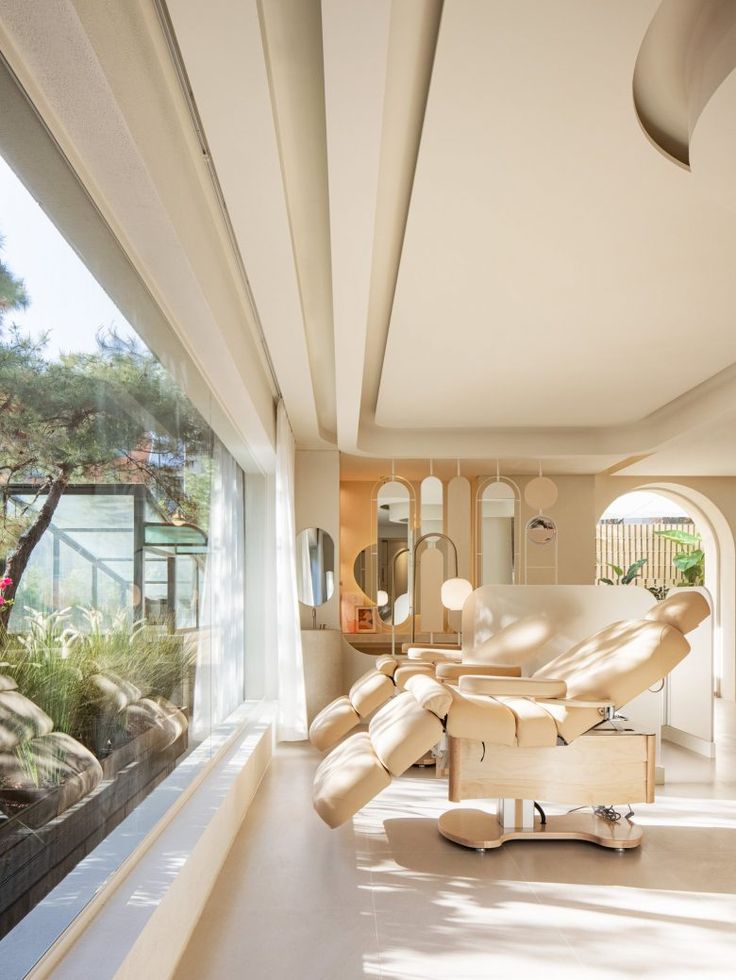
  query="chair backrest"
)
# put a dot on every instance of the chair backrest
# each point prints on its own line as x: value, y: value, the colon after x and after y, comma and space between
x: 624, y: 659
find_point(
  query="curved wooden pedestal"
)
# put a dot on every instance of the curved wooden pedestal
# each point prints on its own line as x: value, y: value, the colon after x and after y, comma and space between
x: 481, y: 830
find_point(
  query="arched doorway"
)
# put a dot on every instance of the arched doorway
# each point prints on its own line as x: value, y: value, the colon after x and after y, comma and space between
x: 720, y: 572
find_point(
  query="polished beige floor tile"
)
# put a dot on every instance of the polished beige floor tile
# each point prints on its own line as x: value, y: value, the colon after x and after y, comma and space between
x: 297, y: 943
x: 387, y: 896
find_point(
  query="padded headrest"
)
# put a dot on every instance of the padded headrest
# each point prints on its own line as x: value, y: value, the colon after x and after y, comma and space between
x: 683, y: 609
x: 618, y: 662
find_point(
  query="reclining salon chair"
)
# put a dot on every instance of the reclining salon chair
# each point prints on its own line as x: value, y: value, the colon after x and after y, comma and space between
x: 501, y: 656
x: 552, y: 736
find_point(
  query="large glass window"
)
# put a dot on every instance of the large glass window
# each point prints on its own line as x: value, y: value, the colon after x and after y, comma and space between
x: 122, y: 538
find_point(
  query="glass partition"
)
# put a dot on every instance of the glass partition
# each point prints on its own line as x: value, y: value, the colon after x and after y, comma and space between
x: 122, y: 562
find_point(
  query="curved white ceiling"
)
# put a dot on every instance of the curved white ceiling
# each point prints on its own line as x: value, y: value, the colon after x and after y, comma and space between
x: 555, y: 271
x: 458, y: 238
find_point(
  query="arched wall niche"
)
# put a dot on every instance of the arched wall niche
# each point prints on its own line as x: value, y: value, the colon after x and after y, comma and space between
x: 720, y: 565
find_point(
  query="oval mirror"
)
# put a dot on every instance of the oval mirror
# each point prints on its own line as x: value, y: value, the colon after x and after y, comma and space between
x: 395, y: 576
x: 382, y: 570
x: 315, y: 566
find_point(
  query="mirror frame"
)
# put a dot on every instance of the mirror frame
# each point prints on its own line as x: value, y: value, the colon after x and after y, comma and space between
x: 329, y: 593
x: 483, y: 484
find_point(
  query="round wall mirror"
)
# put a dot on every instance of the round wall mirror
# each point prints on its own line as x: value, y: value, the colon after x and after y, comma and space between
x: 315, y: 566
x: 541, y: 530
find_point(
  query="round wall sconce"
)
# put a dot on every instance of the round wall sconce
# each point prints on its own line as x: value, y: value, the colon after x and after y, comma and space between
x: 454, y: 592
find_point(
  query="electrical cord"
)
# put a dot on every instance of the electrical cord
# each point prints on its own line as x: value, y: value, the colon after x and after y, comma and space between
x: 606, y: 812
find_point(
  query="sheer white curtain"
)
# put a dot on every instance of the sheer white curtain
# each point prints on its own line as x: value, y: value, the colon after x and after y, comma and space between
x: 219, y: 678
x: 292, y: 719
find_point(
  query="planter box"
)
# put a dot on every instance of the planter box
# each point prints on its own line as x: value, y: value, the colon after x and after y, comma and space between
x: 40, y: 845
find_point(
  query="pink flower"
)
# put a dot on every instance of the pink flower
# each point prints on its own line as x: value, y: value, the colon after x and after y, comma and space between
x: 2, y: 601
x: 5, y: 582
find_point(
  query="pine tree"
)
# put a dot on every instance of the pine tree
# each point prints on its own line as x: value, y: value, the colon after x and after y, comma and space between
x: 108, y: 416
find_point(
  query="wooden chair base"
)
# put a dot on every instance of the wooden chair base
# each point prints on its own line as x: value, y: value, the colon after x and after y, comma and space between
x: 481, y: 830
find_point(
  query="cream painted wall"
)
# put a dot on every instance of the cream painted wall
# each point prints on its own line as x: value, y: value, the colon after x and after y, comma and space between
x: 317, y: 504
x: 574, y: 515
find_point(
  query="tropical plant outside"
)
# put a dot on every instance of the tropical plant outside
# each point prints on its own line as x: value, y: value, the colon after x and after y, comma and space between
x: 624, y: 576
x: 690, y: 562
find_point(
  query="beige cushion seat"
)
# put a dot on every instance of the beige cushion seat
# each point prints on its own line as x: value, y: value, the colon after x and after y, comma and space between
x: 407, y: 671
x: 340, y: 716
x: 370, y: 691
x: 402, y: 731
x: 333, y: 722
x: 348, y: 778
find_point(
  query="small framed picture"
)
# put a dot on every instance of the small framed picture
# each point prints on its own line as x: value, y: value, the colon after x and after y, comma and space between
x: 365, y: 619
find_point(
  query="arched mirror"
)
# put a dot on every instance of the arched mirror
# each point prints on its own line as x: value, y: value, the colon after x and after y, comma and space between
x: 497, y: 532
x: 383, y: 570
x: 315, y: 566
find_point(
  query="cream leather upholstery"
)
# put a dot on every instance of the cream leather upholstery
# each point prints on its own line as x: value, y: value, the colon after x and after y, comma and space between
x: 430, y: 694
x: 526, y: 687
x: 402, y: 731
x: 479, y: 717
x: 452, y: 672
x: 348, y: 778
x: 407, y: 671
x: 370, y: 691
x: 332, y: 723
x: 683, y: 610
x: 431, y: 655
x: 556, y: 705
x: 515, y: 644
x: 387, y: 665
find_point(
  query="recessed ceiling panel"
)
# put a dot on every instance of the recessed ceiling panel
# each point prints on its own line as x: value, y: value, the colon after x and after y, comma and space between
x: 557, y: 270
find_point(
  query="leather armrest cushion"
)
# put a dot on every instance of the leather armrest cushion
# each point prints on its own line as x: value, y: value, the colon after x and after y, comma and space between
x: 429, y: 656
x: 451, y: 672
x: 584, y: 702
x: 406, y: 647
x: 525, y: 687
